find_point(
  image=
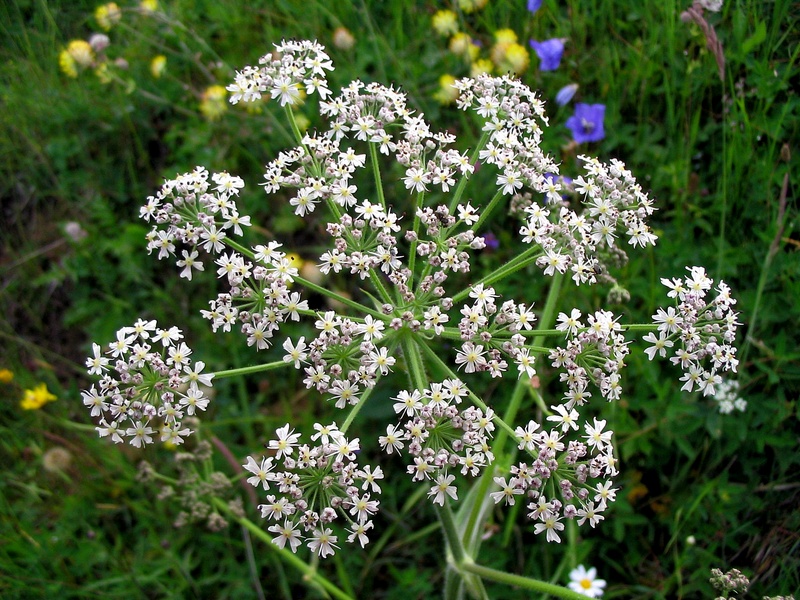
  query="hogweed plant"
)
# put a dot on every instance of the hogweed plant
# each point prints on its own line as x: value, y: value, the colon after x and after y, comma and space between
x: 410, y: 242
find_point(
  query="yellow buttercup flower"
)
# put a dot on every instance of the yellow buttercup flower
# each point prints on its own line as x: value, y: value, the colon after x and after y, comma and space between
x: 81, y: 52
x: 157, y: 66
x: 213, y: 103
x: 446, y: 94
x: 148, y: 6
x: 516, y: 59
x: 303, y: 122
x: 462, y: 45
x: 6, y: 376
x: 481, y: 66
x: 103, y: 74
x: 37, y: 397
x: 295, y: 260
x: 445, y: 22
x: 469, y: 6
x: 505, y: 36
x: 67, y: 64
x: 107, y: 15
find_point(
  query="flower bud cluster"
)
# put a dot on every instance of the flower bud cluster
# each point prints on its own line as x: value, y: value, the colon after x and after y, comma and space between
x: 259, y: 295
x: 149, y: 389
x: 732, y: 581
x: 703, y: 327
x: 727, y: 397
x: 311, y: 486
x: 186, y: 210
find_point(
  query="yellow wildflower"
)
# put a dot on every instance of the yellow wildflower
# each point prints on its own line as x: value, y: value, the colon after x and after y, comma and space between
x: 461, y: 44
x: 446, y: 94
x: 67, y: 64
x: 516, y: 59
x: 498, y: 54
x: 148, y: 6
x: 6, y: 376
x: 103, y: 74
x: 445, y: 22
x: 505, y: 36
x: 157, y: 66
x: 81, y: 52
x: 213, y: 102
x: 469, y: 6
x: 36, y: 398
x: 107, y: 15
x: 295, y: 260
x: 303, y: 122
x: 481, y: 66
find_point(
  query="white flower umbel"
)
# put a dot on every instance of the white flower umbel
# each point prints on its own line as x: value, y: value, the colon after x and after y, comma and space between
x: 391, y: 194
x: 312, y: 488
x: 698, y: 332
x: 149, y: 389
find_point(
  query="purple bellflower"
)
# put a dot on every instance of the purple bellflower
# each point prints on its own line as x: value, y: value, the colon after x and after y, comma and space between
x: 587, y: 122
x: 491, y: 240
x: 566, y: 93
x: 534, y: 5
x: 549, y: 52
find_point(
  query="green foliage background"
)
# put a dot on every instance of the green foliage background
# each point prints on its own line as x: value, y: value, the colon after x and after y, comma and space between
x: 721, y: 157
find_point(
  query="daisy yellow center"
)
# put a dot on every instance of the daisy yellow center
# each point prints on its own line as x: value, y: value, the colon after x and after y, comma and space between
x: 586, y: 583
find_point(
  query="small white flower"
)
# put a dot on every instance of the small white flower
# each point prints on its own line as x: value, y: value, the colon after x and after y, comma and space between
x: 585, y: 582
x: 285, y: 442
x: 442, y: 489
x: 323, y: 543
x: 296, y: 353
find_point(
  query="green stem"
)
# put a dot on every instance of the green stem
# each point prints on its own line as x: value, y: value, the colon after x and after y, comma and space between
x: 453, y: 539
x: 312, y: 286
x: 339, y: 298
x: 357, y: 408
x: 487, y: 479
x: 244, y: 251
x: 412, y: 252
x: 249, y: 370
x: 549, y: 312
x: 416, y: 368
x: 287, y: 556
x: 376, y: 170
x: 296, y: 130
x: 462, y: 183
x: 488, y: 210
x: 523, y: 383
x: 375, y: 278
x: 523, y: 582
x: 640, y: 327
x: 523, y: 260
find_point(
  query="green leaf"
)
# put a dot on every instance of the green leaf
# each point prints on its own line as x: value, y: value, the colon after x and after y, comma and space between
x: 756, y: 39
